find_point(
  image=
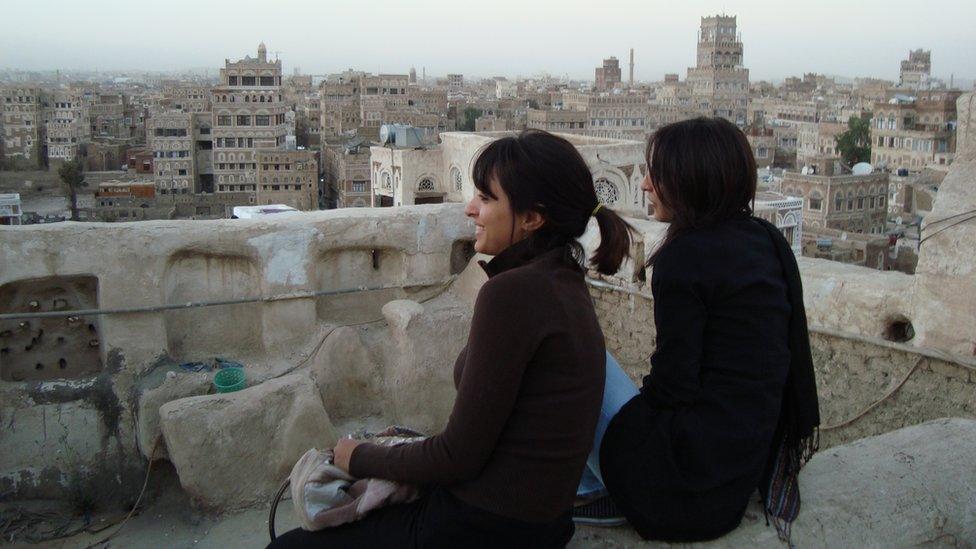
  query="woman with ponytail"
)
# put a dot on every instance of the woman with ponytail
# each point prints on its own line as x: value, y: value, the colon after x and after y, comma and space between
x: 730, y: 404
x: 505, y: 470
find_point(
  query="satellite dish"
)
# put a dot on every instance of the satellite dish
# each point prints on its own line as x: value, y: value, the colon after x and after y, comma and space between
x: 862, y: 168
x: 387, y: 134
x: 806, y: 170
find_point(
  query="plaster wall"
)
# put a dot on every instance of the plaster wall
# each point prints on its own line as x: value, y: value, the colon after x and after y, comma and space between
x: 57, y: 428
x: 944, y: 303
x: 853, y: 372
x: 618, y: 161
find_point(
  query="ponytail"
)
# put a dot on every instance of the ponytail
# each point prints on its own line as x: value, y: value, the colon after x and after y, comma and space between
x: 615, y: 238
x: 542, y: 172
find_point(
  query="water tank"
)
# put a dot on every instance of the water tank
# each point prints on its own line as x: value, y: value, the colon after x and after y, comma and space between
x: 401, y: 135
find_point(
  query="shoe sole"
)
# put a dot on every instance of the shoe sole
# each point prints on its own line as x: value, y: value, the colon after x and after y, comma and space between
x: 606, y: 523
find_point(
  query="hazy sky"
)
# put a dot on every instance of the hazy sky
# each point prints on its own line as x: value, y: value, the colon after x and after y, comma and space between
x: 499, y: 37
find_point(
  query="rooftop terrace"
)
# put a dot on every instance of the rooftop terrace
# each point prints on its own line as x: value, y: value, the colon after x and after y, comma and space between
x: 351, y: 319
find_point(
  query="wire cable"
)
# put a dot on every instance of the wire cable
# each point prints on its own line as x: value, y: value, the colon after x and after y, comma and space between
x: 930, y: 223
x: 217, y: 303
x: 947, y: 227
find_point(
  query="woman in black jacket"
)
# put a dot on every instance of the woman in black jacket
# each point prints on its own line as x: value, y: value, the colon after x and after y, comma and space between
x: 730, y: 404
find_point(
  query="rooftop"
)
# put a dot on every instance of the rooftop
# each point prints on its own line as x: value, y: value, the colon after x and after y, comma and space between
x: 353, y: 317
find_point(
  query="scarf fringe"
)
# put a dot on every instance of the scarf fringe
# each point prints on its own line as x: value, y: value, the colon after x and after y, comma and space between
x: 782, y: 501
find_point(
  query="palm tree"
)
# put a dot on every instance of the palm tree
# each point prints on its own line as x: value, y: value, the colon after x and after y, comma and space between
x: 72, y: 175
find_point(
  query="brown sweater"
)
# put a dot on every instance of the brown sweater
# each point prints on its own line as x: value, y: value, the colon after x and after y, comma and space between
x: 529, y: 388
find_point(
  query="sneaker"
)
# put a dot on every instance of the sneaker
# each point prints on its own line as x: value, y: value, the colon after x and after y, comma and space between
x: 601, y: 511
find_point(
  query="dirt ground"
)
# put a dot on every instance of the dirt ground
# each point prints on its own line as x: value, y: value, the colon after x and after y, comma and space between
x: 170, y: 520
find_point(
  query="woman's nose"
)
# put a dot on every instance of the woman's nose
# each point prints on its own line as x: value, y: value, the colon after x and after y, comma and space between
x: 471, y: 209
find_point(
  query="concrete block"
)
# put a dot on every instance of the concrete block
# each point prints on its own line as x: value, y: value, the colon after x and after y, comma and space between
x: 234, y: 449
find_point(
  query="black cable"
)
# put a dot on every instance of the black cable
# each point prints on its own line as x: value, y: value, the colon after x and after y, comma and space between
x: 946, y: 219
x: 274, y: 508
x: 947, y: 227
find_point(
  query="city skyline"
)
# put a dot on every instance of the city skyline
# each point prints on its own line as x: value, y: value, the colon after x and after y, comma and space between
x: 869, y: 39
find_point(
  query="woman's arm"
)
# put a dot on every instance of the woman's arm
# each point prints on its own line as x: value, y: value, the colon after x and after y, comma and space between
x: 679, y: 315
x: 504, y: 335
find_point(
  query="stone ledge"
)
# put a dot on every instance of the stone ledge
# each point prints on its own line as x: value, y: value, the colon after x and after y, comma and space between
x: 909, y: 487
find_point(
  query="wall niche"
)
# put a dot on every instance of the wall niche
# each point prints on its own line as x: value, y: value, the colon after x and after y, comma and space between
x: 42, y: 349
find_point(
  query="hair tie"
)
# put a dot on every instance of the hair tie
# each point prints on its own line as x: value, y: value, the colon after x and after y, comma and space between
x: 595, y: 210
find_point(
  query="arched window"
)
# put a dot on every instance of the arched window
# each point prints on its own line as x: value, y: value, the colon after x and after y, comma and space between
x: 839, y: 201
x: 850, y: 200
x: 425, y: 185
x: 815, y: 202
x: 606, y: 192
x: 386, y: 180
x: 860, y: 198
x: 456, y: 178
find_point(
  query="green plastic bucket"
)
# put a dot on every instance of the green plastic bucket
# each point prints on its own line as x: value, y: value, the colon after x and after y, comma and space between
x: 228, y: 380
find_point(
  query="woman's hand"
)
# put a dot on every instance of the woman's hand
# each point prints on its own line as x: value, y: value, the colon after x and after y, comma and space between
x: 343, y: 452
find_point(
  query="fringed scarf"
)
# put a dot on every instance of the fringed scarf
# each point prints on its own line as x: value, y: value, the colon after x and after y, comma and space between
x: 797, y: 435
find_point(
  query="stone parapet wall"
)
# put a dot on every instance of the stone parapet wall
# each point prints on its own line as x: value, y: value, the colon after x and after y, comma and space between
x: 944, y: 301
x: 71, y: 415
x: 854, y: 372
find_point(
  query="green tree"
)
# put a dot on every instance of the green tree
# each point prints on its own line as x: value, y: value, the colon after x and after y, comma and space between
x: 470, y: 115
x: 855, y: 144
x: 72, y: 174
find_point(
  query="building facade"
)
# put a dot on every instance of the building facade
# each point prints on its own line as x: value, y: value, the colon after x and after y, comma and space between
x: 402, y: 177
x: 346, y: 173
x: 608, y: 76
x: 248, y: 114
x: 24, y: 132
x: 852, y: 203
x: 68, y: 126
x: 612, y: 115
x: 171, y: 139
x: 914, y: 132
x: 763, y: 143
x: 562, y: 121
x: 187, y: 98
x: 455, y: 82
x: 10, y: 211
x: 287, y: 177
x: 719, y: 82
x: 817, y: 140
x: 916, y: 70
x: 785, y: 212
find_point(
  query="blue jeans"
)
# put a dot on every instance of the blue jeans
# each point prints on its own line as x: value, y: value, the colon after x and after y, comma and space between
x: 617, y: 391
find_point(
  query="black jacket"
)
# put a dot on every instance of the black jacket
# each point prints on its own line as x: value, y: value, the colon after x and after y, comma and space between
x: 682, y: 458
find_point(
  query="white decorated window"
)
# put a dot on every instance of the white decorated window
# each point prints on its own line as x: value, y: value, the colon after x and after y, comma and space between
x: 425, y: 185
x: 456, y: 179
x: 606, y: 192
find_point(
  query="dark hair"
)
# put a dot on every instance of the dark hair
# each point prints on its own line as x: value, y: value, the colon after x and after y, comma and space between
x: 542, y: 172
x: 703, y: 173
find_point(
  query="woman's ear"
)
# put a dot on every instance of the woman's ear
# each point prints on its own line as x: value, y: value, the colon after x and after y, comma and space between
x: 532, y: 221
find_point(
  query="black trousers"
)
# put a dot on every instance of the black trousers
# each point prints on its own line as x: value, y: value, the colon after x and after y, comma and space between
x: 438, y: 519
